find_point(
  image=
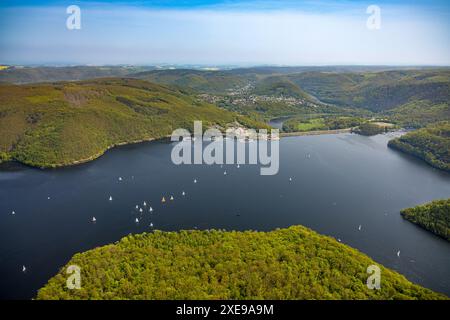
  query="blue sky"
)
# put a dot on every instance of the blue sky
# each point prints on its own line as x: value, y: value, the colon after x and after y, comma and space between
x: 217, y: 32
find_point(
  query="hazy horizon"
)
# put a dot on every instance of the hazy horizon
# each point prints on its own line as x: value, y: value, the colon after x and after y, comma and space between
x: 163, y: 65
x: 223, y: 33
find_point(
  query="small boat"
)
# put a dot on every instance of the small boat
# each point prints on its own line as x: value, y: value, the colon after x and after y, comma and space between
x: 48, y: 198
x: 140, y: 210
x: 136, y: 220
x: 290, y: 179
x: 163, y: 200
x: 195, y: 180
x: 224, y: 173
x: 183, y: 193
x: 145, y: 204
x: 120, y: 178
x: 339, y: 240
x: 171, y: 198
x: 110, y: 198
x: 150, y: 210
x: 238, y: 166
x: 398, y: 253
x: 93, y: 219
x: 359, y: 228
x: 24, y: 269
x: 13, y: 213
x: 137, y: 207
x: 151, y: 225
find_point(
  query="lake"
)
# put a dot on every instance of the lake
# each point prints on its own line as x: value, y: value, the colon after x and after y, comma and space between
x: 346, y: 181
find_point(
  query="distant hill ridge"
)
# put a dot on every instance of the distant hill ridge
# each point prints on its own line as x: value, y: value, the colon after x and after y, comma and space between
x: 410, y: 96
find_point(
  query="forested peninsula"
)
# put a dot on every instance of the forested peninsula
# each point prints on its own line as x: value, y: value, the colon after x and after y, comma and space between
x: 433, y: 216
x: 292, y: 263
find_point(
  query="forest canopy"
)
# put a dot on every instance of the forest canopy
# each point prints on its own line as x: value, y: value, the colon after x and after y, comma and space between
x: 292, y: 263
x: 431, y: 144
x: 433, y: 216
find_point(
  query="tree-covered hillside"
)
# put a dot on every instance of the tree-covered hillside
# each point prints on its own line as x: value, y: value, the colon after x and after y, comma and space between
x: 409, y: 97
x: 377, y: 91
x: 200, y: 81
x: 433, y: 216
x: 412, y: 98
x: 293, y: 263
x: 62, y: 123
x: 431, y: 144
x: 279, y: 86
x: 21, y: 75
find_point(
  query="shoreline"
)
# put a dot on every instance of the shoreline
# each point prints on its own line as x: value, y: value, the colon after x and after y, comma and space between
x: 88, y: 159
x: 315, y: 132
x: 101, y: 153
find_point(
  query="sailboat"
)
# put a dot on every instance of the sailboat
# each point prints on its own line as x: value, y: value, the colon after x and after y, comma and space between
x: 120, y: 178
x: 398, y: 253
x: 359, y: 228
x: 137, y: 220
x: 13, y: 213
x: 163, y: 200
x: 110, y: 198
x: 93, y: 219
x: 140, y: 210
x: 183, y: 193
x: 145, y: 204
x: 171, y: 198
x: 24, y: 269
x: 151, y: 209
x: 224, y: 173
x: 151, y: 225
x: 195, y: 180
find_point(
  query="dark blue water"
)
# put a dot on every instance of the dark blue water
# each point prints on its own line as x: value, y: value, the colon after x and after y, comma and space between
x: 347, y: 181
